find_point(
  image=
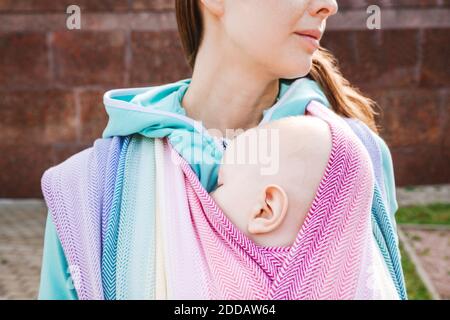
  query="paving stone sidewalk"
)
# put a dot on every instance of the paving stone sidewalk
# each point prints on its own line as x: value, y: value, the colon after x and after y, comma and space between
x: 431, y: 246
x: 21, y: 241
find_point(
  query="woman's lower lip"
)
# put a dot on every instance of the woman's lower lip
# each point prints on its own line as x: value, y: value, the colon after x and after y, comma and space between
x: 311, y: 42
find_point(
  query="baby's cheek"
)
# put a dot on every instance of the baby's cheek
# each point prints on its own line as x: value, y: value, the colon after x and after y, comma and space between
x: 217, y: 196
x: 224, y: 200
x: 213, y: 195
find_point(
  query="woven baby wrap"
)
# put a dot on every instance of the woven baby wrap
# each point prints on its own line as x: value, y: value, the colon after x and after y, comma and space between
x: 135, y: 223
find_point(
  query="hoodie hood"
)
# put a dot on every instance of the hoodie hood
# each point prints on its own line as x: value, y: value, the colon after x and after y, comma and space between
x: 156, y: 112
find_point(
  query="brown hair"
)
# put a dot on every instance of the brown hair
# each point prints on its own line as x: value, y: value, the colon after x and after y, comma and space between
x: 345, y: 99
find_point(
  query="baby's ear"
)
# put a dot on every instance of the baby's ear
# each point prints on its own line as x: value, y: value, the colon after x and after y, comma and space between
x: 271, y: 212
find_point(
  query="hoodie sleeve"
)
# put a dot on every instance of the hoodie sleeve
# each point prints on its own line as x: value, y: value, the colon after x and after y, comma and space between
x: 55, y: 283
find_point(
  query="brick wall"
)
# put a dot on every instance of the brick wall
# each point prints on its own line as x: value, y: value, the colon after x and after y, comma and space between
x: 52, y: 79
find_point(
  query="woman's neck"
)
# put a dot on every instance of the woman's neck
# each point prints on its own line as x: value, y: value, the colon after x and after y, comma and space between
x: 228, y: 96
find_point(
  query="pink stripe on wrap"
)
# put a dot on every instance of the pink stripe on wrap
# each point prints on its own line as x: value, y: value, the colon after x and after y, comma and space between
x: 325, y: 260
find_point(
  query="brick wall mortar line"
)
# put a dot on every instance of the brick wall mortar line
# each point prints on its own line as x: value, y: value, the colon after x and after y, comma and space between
x: 165, y: 20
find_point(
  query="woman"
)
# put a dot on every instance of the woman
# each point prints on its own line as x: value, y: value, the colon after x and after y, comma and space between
x: 252, y: 62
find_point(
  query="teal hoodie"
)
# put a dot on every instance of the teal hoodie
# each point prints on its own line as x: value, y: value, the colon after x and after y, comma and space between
x: 157, y: 112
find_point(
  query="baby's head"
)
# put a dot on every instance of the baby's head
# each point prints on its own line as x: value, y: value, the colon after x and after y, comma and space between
x: 270, y: 175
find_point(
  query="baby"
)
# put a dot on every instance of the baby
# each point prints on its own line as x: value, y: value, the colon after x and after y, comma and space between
x: 269, y: 206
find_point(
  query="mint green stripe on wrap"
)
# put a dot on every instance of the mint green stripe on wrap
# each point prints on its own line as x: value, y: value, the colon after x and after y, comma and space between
x: 135, y: 275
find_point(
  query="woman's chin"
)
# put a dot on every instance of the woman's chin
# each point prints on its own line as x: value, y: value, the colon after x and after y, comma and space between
x: 298, y: 70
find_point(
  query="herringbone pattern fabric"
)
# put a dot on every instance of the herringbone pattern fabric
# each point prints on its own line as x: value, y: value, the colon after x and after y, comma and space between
x: 382, y: 221
x: 326, y: 258
x: 104, y: 202
x: 71, y: 191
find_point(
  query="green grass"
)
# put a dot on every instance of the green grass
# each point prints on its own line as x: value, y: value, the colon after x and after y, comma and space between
x: 414, y: 286
x: 438, y: 213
